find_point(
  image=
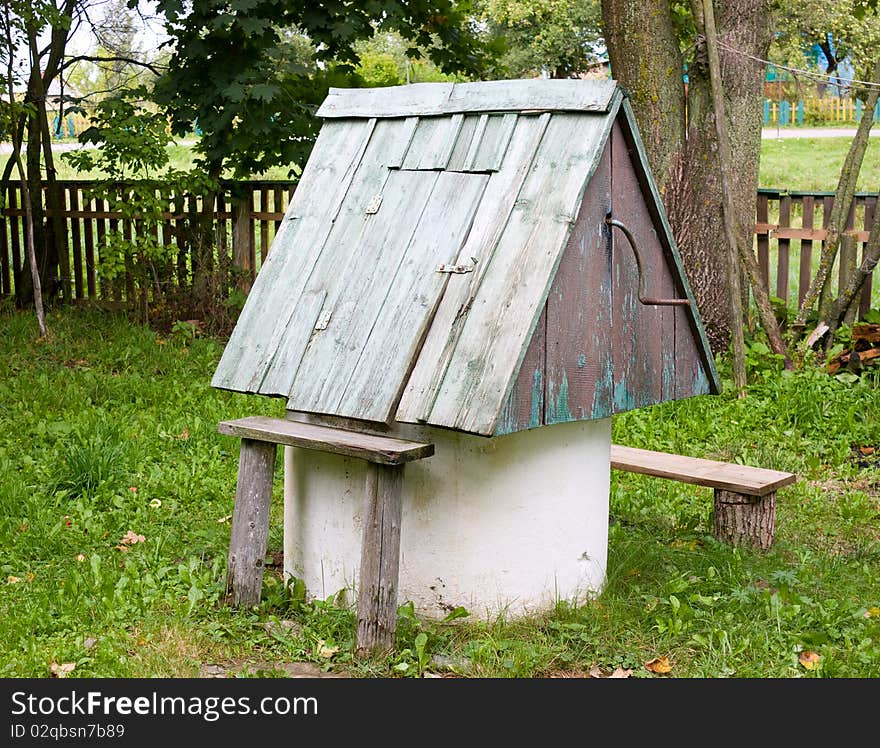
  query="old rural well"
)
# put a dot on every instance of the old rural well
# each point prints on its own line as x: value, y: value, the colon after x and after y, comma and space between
x: 486, y: 268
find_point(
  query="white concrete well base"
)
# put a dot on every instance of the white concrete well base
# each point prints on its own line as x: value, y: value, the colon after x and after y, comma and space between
x: 505, y: 526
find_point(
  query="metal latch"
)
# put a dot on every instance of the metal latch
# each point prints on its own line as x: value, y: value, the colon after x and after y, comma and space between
x: 458, y: 269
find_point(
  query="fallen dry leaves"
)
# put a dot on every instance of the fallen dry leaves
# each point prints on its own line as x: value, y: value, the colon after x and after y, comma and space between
x: 618, y: 672
x: 61, y: 671
x: 659, y: 665
x: 809, y: 659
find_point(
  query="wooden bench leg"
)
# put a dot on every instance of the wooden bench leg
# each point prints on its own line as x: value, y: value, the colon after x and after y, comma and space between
x: 380, y: 560
x: 250, y: 522
x: 743, y: 519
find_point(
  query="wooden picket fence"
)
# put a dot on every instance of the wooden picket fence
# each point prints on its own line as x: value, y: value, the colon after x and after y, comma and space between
x: 246, y: 217
x: 789, y: 230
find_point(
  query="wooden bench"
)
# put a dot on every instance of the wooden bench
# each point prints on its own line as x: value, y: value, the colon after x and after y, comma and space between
x: 380, y: 551
x: 745, y: 496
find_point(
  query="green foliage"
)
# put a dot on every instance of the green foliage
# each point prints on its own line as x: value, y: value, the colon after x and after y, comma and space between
x: 131, y: 148
x: 561, y: 38
x: 253, y: 94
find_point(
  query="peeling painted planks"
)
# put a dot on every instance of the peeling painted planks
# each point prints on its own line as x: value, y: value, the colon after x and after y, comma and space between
x: 491, y: 218
x: 425, y: 99
x: 328, y: 173
x: 524, y: 408
x: 433, y: 142
x: 638, y: 329
x: 357, y: 284
x: 321, y: 266
x: 579, y: 313
x: 379, y: 374
x: 511, y: 297
x: 493, y: 145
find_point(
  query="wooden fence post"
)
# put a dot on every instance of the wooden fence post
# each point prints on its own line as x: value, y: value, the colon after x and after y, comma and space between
x: 242, y: 249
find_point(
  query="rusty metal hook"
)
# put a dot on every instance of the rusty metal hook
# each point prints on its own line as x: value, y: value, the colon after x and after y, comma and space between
x: 643, y: 299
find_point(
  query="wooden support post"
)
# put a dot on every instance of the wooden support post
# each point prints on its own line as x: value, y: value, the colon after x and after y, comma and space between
x: 380, y: 560
x: 741, y: 519
x: 250, y: 522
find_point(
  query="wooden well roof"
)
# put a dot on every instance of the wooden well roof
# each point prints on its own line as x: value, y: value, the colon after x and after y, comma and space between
x: 417, y: 254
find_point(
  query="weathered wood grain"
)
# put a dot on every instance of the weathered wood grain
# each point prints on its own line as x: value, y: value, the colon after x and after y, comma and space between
x: 638, y: 329
x: 489, y: 223
x: 423, y: 99
x: 250, y: 522
x: 525, y: 404
x: 433, y: 142
x: 330, y: 265
x: 380, y: 561
x: 377, y: 378
x: 381, y: 449
x: 463, y: 141
x: 782, y: 252
x: 743, y: 479
x: 76, y: 245
x: 356, y: 294
x: 579, y: 320
x: 806, y: 253
x: 706, y: 379
x: 512, y: 294
x: 272, y: 300
x: 493, y: 143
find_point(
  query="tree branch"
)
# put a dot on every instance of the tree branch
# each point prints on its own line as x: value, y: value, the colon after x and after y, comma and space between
x: 155, y: 69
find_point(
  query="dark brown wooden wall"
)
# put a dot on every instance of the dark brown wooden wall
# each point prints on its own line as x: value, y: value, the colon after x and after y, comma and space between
x: 596, y: 349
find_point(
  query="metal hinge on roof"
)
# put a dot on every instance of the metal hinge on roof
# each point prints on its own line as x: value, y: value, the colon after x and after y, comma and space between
x: 458, y: 269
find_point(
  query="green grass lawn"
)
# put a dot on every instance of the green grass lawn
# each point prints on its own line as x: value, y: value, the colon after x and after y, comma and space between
x: 813, y: 164
x: 117, y: 493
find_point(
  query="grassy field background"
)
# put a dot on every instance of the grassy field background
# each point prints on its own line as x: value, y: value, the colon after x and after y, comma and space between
x: 118, y: 492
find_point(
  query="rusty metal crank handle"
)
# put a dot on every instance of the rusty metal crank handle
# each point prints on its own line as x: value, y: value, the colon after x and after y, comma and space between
x: 643, y: 298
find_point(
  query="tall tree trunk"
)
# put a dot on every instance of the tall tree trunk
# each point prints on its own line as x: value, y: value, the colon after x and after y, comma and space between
x: 646, y: 61
x: 643, y: 48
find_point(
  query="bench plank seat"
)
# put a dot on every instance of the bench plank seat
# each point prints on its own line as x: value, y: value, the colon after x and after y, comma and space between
x: 383, y: 450
x: 742, y: 479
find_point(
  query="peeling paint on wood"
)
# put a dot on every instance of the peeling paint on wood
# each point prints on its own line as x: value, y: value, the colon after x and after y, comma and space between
x: 533, y: 318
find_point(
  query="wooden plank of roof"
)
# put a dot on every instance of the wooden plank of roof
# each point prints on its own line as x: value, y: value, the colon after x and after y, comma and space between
x: 408, y: 131
x: 385, y: 450
x: 493, y: 144
x: 754, y: 481
x: 433, y: 142
x: 425, y: 99
x: 463, y: 142
x: 328, y: 173
x: 412, y: 100
x: 322, y: 262
x: 498, y: 199
x: 389, y: 352
x: 357, y: 285
x: 509, y: 301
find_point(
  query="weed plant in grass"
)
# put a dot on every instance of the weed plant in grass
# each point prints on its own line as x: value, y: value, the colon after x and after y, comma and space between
x: 117, y: 494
